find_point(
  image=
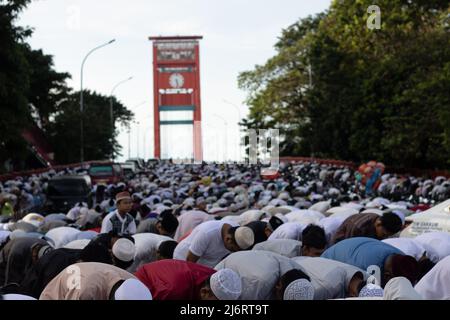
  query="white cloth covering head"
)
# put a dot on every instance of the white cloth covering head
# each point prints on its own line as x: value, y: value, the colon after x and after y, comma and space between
x: 244, y: 237
x: 300, y: 289
x: 226, y: 284
x: 400, y: 288
x: 124, y: 249
x: 132, y: 289
x: 371, y: 290
x: 14, y: 296
x: 34, y: 218
x: 435, y: 284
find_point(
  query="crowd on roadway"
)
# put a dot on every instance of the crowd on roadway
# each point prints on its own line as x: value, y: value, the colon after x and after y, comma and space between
x: 227, y: 232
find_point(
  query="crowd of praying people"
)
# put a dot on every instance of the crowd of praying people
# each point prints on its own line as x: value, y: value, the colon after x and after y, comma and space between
x: 224, y: 231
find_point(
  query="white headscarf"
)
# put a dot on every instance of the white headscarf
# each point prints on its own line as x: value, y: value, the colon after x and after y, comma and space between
x: 132, y: 289
x: 435, y: 284
x: 300, y: 289
x: 400, y: 288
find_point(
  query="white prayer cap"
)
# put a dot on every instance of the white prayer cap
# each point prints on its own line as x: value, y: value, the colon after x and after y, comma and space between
x: 14, y: 296
x: 159, y: 207
x: 226, y: 284
x: 189, y: 202
x: 284, y: 196
x: 34, y: 218
x: 371, y: 290
x: 244, y: 237
x: 300, y: 289
x: 132, y: 289
x: 124, y: 249
x: 321, y: 206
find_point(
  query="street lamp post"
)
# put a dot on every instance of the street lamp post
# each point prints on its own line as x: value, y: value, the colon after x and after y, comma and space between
x: 129, y: 142
x: 226, y: 129
x: 137, y: 140
x: 129, y: 129
x: 239, y: 126
x: 145, y: 135
x: 111, y: 113
x: 81, y: 98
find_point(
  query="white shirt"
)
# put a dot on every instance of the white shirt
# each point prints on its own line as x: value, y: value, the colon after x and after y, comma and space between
x: 436, y: 244
x: 285, y: 247
x: 107, y: 225
x: 206, y: 242
x: 189, y: 220
x: 331, y: 225
x: 288, y: 230
x: 330, y: 278
x: 435, y: 284
x: 62, y: 236
x: 146, y: 246
x: 409, y: 246
x: 259, y: 271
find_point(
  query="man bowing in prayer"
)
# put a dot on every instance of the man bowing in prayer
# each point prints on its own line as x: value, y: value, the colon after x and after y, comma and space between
x: 95, y: 281
x: 367, y: 252
x: 182, y: 280
x: 211, y: 241
x: 368, y: 225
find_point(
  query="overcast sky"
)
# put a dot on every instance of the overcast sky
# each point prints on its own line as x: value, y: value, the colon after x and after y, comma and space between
x: 238, y: 34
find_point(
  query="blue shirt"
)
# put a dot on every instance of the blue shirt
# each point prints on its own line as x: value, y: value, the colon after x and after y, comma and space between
x: 361, y: 252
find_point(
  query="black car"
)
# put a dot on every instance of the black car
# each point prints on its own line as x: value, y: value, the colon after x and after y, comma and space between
x: 63, y: 192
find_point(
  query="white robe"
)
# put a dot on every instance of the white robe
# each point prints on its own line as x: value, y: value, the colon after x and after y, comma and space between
x: 259, y: 271
x: 409, y: 246
x: 286, y: 247
x: 146, y: 247
x: 436, y: 244
x: 330, y: 278
x: 400, y: 288
x: 435, y: 285
x: 288, y: 230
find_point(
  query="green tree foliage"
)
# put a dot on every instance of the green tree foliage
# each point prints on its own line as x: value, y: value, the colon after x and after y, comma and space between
x: 33, y: 93
x: 48, y: 88
x: 14, y: 82
x: 380, y: 94
x: 99, y: 138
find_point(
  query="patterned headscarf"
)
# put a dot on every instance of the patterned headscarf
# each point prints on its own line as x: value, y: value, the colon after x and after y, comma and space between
x: 371, y: 290
x: 300, y: 289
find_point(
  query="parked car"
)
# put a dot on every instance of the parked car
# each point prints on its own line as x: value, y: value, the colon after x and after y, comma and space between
x: 105, y: 173
x: 140, y: 164
x: 63, y: 192
x: 129, y: 169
